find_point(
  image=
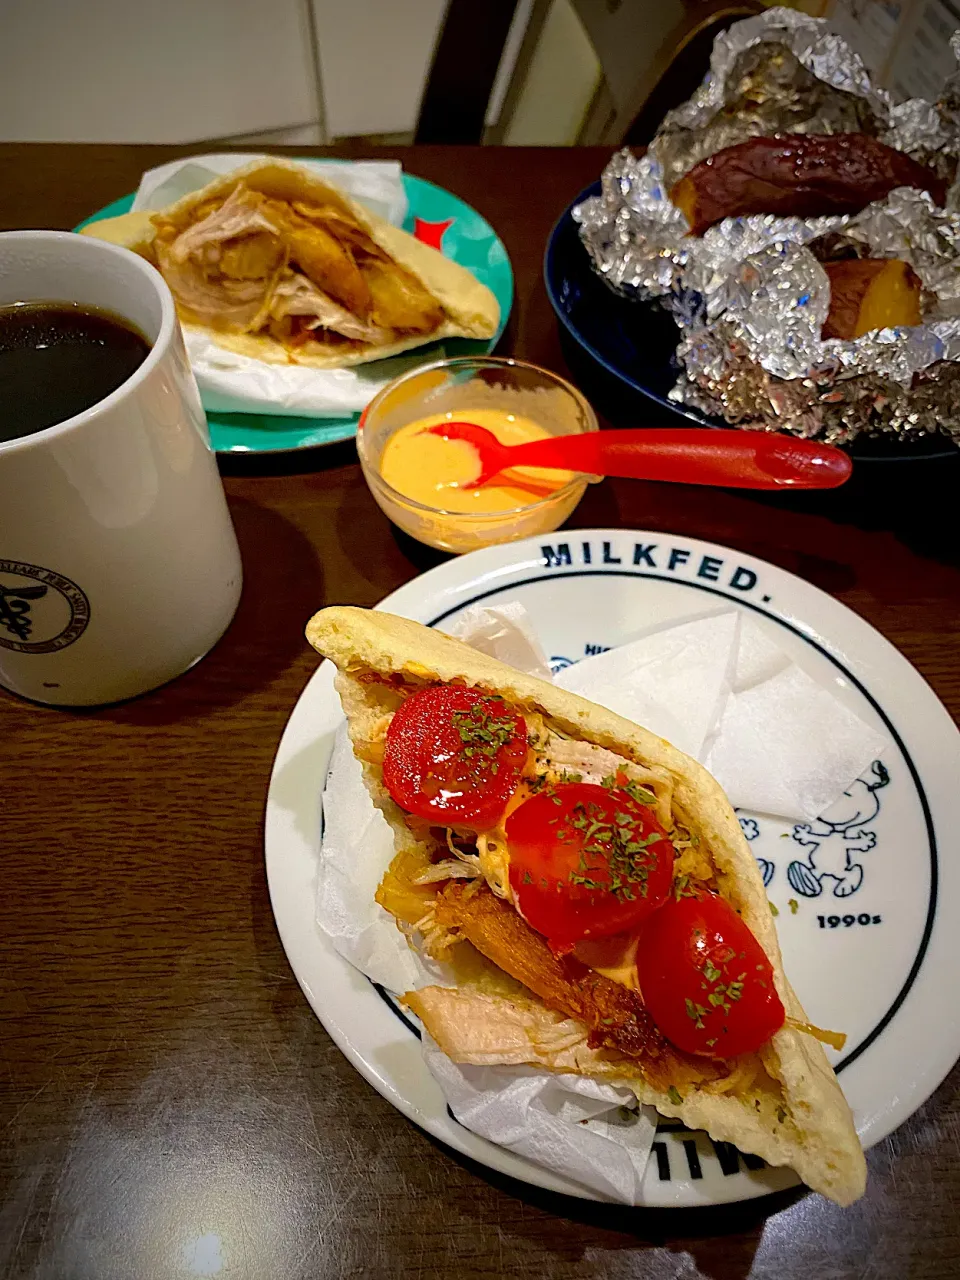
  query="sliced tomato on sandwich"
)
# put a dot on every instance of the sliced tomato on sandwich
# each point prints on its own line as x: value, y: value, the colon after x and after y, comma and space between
x: 587, y: 861
x: 453, y: 755
x: 705, y: 978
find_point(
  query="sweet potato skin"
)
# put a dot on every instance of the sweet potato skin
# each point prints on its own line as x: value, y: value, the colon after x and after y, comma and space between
x: 800, y: 175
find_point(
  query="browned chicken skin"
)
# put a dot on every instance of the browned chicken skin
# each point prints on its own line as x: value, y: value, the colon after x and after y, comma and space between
x: 616, y: 1016
x: 302, y: 271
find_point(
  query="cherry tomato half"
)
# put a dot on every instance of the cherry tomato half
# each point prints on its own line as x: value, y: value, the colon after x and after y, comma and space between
x: 586, y: 861
x: 706, y: 980
x: 454, y: 755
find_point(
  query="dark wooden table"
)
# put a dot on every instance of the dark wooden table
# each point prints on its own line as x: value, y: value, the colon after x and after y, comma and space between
x: 170, y: 1106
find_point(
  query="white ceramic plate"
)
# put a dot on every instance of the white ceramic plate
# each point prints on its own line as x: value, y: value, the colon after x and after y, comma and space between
x: 869, y: 940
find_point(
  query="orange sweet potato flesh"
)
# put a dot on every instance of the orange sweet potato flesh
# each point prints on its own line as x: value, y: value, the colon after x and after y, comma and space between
x: 800, y: 175
x: 870, y: 293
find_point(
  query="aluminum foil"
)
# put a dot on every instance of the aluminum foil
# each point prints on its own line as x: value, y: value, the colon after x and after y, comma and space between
x: 750, y: 296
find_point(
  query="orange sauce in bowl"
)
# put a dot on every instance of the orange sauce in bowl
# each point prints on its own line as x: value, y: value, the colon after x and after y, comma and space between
x: 439, y: 472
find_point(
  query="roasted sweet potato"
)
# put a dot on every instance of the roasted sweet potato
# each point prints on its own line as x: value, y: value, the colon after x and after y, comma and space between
x: 870, y: 293
x: 798, y: 174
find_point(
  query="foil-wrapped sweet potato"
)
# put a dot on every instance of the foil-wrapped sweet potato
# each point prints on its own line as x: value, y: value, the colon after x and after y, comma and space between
x: 870, y: 293
x: 798, y: 175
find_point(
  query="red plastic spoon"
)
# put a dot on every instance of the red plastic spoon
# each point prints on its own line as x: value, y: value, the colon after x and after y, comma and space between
x: 687, y: 455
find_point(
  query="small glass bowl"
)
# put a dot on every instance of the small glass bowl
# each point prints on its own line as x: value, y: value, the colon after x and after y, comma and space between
x: 459, y: 386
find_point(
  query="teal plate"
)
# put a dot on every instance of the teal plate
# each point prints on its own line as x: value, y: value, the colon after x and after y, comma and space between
x: 468, y: 239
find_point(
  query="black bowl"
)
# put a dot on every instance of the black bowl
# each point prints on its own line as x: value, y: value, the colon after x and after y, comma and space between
x: 622, y: 351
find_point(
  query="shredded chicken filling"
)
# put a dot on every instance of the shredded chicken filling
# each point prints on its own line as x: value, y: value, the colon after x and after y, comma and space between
x: 475, y: 911
x: 616, y: 1018
x: 302, y: 273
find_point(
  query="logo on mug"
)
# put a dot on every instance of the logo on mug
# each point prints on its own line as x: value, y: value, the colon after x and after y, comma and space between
x: 40, y: 610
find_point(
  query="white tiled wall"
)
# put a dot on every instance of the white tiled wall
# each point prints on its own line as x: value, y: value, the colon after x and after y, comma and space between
x: 187, y: 70
x: 142, y: 71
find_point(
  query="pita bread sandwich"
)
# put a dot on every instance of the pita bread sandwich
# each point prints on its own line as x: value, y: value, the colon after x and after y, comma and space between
x: 592, y: 892
x: 275, y: 263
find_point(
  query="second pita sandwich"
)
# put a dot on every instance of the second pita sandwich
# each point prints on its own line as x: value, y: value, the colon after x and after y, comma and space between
x: 277, y: 264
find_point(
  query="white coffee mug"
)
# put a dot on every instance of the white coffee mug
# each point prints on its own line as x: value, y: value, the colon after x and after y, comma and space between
x: 119, y: 566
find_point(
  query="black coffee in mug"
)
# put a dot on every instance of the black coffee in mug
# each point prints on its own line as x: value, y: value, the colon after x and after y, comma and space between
x: 58, y: 359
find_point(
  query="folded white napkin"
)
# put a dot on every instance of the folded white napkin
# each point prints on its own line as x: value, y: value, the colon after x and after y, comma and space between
x: 785, y: 744
x: 673, y: 681
x: 572, y: 1124
x: 376, y: 183
x: 720, y: 688
x: 357, y: 848
x: 505, y: 633
x: 231, y: 383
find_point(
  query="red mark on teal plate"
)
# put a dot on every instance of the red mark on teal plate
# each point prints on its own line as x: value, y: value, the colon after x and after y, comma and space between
x: 431, y: 233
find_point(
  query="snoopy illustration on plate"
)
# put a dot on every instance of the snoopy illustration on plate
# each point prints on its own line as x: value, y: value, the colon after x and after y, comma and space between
x: 834, y: 839
x: 751, y: 830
